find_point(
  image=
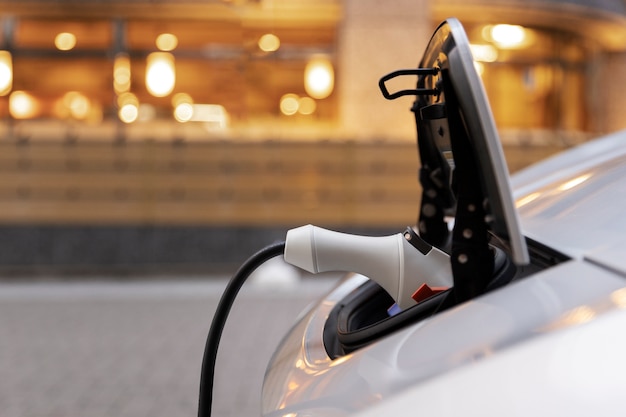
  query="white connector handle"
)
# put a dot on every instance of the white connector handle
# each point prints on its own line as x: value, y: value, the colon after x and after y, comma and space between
x: 391, y: 261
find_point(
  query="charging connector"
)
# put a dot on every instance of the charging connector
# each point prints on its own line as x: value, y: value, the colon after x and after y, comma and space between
x: 399, y: 263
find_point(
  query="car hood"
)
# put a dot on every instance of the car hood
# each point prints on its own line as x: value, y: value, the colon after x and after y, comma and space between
x: 574, y: 201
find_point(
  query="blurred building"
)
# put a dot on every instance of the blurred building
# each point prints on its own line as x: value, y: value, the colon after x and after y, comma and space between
x: 148, y: 131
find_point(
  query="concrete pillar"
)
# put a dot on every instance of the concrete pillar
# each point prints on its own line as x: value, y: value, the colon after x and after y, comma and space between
x: 377, y: 37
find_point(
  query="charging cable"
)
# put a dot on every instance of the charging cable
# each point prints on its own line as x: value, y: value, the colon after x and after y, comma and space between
x: 207, y: 375
x: 399, y: 263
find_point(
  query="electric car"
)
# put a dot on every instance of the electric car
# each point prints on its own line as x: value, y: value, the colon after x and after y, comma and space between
x: 508, y: 298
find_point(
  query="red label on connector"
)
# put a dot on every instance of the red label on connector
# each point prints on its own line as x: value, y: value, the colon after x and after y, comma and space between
x: 425, y: 291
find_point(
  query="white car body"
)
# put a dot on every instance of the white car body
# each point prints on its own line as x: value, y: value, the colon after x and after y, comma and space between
x: 552, y: 343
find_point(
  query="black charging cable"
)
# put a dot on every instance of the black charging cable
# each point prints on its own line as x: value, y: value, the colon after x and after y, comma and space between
x: 207, y: 375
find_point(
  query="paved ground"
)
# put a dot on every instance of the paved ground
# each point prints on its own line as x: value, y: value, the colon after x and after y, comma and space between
x: 133, y: 348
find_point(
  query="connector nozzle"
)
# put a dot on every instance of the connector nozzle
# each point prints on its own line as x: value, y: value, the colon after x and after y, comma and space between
x: 390, y: 261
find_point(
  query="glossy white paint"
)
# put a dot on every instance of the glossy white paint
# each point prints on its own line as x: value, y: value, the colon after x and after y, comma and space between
x: 568, y: 164
x: 302, y: 380
x: 551, y: 338
x: 575, y: 202
x: 580, y: 371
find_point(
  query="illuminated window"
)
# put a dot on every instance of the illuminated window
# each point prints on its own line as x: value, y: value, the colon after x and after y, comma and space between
x: 236, y: 67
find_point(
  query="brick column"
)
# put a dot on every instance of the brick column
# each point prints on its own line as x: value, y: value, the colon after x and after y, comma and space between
x: 377, y: 37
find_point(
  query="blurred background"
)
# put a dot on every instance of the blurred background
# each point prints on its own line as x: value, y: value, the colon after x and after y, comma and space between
x: 152, y: 135
x: 167, y: 140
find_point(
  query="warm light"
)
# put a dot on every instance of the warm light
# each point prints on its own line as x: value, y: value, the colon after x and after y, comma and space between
x: 269, y: 42
x: 213, y: 115
x: 22, y: 105
x: 127, y: 98
x: 128, y: 113
x: 340, y: 361
x: 579, y: 315
x: 146, y: 112
x: 95, y: 113
x: 166, y: 42
x: 65, y: 41
x: 160, y: 74
x: 619, y: 298
x: 180, y: 98
x: 319, y: 78
x: 183, y: 112
x: 479, y: 67
x: 289, y: 104
x: 6, y: 73
x: 128, y: 107
x: 306, y: 105
x: 528, y: 199
x: 574, y: 182
x: 77, y: 104
x: 507, y: 36
x: 121, y: 73
x: 484, y: 53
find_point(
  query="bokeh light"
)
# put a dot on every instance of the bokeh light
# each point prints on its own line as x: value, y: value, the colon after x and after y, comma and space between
x: 289, y: 104
x: 166, y: 42
x: 319, y: 77
x: 506, y: 36
x: 22, y: 105
x: 183, y: 112
x: 77, y: 104
x: 269, y: 42
x: 65, y: 41
x: 128, y: 113
x: 180, y: 98
x: 6, y: 73
x: 306, y: 105
x: 121, y: 73
x: 160, y: 74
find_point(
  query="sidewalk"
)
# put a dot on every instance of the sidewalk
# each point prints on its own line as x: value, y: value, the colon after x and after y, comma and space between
x: 128, y: 349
